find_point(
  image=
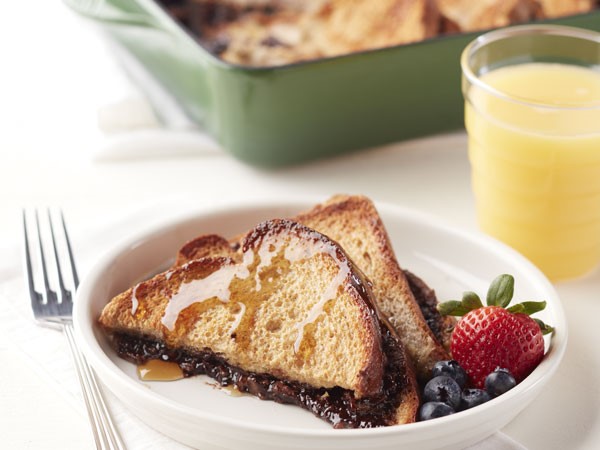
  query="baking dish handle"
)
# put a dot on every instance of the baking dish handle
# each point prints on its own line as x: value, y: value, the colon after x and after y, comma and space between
x: 131, y: 12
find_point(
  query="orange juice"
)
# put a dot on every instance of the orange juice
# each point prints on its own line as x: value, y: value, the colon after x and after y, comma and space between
x: 534, y: 147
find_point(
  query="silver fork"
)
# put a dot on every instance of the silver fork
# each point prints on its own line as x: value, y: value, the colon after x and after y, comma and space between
x: 54, y: 307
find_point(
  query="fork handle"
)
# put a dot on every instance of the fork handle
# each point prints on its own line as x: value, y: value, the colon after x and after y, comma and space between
x: 105, y: 433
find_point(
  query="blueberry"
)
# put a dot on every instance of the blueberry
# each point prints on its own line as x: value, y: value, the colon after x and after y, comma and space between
x: 452, y: 369
x: 473, y: 397
x: 499, y: 381
x: 432, y: 410
x: 442, y: 389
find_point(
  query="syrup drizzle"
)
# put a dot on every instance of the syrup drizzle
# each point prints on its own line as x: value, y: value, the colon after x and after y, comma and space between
x: 304, y: 245
x: 197, y: 291
x: 299, y: 251
x: 159, y: 370
x: 267, y: 251
x: 238, y: 318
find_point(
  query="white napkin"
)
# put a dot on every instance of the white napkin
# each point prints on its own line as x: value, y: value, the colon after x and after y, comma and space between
x: 47, y: 354
x: 46, y: 350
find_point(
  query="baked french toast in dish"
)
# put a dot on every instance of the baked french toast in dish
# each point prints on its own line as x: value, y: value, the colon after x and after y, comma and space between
x: 279, y: 32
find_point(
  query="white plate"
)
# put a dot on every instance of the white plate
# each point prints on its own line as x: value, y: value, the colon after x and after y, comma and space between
x: 196, y: 413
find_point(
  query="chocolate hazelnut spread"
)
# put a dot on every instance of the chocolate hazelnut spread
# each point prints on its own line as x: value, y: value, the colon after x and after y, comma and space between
x: 336, y: 405
x: 440, y: 326
x: 427, y: 301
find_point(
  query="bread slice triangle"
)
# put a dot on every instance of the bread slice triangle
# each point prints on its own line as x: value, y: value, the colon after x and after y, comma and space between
x: 290, y: 318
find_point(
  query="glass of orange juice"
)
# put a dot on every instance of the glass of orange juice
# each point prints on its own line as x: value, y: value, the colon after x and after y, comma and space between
x: 532, y: 114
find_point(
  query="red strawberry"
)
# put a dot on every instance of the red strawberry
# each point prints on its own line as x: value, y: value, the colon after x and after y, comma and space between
x: 491, y: 336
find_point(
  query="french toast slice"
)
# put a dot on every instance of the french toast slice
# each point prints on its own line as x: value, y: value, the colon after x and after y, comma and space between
x: 354, y: 223
x: 291, y: 320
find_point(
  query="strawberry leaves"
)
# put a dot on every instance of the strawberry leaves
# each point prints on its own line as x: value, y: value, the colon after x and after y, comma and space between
x: 546, y: 329
x: 453, y: 308
x: 470, y: 301
x: 500, y: 293
x: 528, y: 308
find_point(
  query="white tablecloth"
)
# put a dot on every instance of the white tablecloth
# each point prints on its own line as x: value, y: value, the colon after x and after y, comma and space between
x: 55, y: 76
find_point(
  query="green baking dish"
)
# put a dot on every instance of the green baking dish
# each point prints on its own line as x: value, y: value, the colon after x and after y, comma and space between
x: 284, y: 115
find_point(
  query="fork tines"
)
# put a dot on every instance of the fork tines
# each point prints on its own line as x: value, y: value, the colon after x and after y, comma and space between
x: 49, y: 264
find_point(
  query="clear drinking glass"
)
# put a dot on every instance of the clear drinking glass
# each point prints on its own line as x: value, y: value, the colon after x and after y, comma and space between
x: 532, y: 114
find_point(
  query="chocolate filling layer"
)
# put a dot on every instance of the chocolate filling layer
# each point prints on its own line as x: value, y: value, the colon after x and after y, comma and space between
x: 427, y: 301
x: 336, y: 405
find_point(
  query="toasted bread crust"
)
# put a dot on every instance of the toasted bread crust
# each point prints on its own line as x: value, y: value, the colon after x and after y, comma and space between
x: 205, y: 246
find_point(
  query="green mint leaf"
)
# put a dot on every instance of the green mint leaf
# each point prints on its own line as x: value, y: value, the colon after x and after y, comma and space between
x: 546, y: 329
x: 452, y: 308
x: 471, y: 300
x: 528, y: 308
x: 501, y: 291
